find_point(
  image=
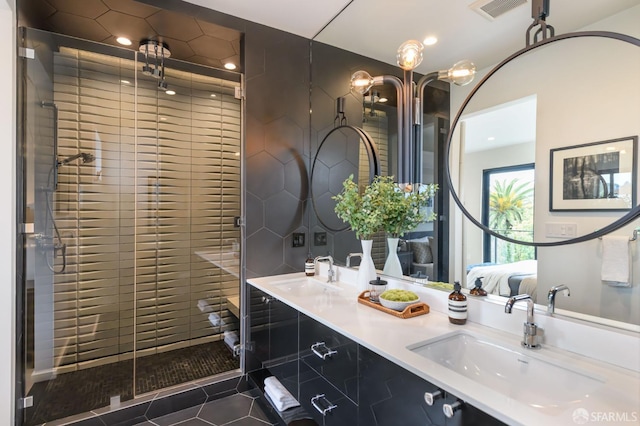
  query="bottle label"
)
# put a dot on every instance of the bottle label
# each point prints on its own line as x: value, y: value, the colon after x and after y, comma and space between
x: 458, y: 309
x: 309, y: 268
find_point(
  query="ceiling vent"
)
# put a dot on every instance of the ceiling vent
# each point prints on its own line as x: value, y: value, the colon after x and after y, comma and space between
x: 491, y: 9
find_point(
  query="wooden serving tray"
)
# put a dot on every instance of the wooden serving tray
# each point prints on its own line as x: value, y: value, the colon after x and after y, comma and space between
x: 419, y: 308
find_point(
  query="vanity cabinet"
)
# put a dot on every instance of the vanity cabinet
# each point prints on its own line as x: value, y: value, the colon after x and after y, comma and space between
x: 330, y: 354
x: 353, y: 385
x: 273, y: 338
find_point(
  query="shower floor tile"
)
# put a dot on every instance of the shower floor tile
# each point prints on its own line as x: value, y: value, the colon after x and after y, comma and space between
x: 89, y: 389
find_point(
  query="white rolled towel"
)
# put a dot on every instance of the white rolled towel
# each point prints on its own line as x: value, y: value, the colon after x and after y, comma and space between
x: 278, y: 394
x: 215, y: 320
x: 204, y: 306
x: 231, y: 339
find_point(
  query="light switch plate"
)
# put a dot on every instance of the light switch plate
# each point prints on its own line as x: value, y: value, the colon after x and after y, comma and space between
x: 561, y: 230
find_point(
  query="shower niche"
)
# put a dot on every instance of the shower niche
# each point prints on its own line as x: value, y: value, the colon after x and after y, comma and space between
x: 131, y: 185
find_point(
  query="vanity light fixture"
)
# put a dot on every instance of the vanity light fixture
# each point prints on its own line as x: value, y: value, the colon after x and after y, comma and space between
x: 409, y: 55
x: 123, y: 41
x: 411, y: 98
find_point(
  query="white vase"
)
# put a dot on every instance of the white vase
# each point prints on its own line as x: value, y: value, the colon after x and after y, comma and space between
x: 392, y: 266
x: 367, y: 270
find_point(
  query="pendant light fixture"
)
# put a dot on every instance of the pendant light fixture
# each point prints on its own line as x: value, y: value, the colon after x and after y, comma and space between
x: 155, y: 52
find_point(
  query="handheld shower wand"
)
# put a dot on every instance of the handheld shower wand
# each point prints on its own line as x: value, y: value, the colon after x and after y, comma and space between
x: 86, y: 158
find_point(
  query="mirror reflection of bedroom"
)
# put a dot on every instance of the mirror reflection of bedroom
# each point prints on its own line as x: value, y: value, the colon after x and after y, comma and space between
x: 499, y: 165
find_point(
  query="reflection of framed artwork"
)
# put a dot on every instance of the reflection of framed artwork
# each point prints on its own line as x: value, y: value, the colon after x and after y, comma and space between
x: 598, y: 176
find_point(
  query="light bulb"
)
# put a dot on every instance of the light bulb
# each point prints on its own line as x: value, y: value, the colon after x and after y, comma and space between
x: 123, y: 41
x: 361, y: 82
x: 410, y: 54
x: 462, y: 72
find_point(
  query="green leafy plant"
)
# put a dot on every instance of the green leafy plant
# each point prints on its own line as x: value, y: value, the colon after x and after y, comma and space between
x: 358, y: 209
x: 508, y: 203
x: 382, y: 205
x: 403, y: 209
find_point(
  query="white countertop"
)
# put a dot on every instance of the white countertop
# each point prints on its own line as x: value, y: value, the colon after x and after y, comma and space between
x: 389, y: 336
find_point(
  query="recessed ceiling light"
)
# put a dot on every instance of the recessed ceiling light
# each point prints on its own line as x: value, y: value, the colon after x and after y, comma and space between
x: 491, y: 138
x: 170, y: 92
x: 124, y: 41
x: 230, y: 66
x: 430, y: 41
x: 383, y: 100
x: 213, y: 95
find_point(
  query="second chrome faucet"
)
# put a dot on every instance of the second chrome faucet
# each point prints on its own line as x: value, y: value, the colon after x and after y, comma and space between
x: 551, y: 297
x: 532, y: 334
x: 330, y: 273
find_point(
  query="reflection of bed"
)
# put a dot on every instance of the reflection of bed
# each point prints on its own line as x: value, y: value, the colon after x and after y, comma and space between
x: 507, y: 279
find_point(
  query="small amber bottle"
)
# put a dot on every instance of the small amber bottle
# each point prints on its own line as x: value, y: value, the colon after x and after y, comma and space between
x: 478, y: 290
x: 457, y: 306
x: 309, y: 266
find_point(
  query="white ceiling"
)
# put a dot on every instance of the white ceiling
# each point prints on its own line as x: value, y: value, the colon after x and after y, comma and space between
x: 486, y: 130
x: 375, y: 28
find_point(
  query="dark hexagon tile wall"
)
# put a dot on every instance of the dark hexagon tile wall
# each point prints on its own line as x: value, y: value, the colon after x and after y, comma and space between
x: 277, y: 70
x: 283, y: 213
x: 265, y: 175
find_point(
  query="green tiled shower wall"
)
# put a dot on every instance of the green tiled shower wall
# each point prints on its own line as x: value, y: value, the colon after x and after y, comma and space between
x: 165, y: 185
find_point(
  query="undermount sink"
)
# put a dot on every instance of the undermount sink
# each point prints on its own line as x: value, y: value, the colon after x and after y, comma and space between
x: 528, y: 378
x: 308, y: 285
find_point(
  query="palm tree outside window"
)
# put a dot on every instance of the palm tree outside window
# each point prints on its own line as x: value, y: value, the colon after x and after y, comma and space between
x: 508, y: 210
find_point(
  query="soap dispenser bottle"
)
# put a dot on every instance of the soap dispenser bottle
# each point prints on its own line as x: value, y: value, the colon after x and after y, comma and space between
x: 309, y: 266
x: 478, y: 290
x: 457, y: 306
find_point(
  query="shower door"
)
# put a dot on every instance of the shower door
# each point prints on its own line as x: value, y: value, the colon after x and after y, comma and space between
x: 187, y: 246
x: 132, y: 257
x: 78, y: 342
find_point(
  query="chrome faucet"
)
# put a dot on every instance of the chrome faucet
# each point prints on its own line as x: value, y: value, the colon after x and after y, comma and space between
x: 350, y: 255
x: 551, y: 297
x: 532, y: 334
x: 331, y: 273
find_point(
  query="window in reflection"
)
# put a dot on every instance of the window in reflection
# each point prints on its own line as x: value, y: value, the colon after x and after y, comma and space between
x: 508, y: 206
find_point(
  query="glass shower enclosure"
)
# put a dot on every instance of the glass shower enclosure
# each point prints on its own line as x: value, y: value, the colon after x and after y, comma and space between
x: 131, y: 190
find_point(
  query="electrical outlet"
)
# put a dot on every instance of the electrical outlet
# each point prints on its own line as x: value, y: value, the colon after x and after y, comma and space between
x: 298, y: 239
x: 320, y: 238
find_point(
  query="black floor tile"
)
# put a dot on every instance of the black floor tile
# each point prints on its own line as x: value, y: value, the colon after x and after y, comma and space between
x: 227, y: 409
x: 247, y: 421
x: 193, y: 422
x: 178, y: 416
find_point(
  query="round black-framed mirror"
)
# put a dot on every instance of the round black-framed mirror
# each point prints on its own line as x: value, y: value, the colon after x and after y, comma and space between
x: 340, y: 159
x: 632, y: 212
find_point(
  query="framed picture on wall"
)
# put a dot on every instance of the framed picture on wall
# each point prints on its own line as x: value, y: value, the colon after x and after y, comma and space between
x: 597, y: 176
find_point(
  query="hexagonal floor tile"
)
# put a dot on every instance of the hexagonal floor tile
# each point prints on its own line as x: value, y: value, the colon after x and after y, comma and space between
x: 227, y: 409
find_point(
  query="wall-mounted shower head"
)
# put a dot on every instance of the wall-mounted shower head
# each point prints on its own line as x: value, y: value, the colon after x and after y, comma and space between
x: 86, y: 158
